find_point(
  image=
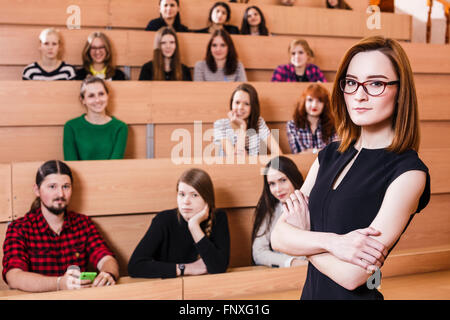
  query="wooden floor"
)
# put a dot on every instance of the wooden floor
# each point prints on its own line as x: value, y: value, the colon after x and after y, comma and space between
x: 424, y: 286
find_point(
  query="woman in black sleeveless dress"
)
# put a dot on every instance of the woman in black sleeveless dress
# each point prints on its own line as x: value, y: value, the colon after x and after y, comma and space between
x: 364, y: 190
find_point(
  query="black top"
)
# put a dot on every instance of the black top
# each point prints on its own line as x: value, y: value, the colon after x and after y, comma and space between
x: 354, y: 204
x: 228, y: 28
x: 168, y: 242
x: 158, y: 23
x: 82, y: 73
x: 147, y: 73
x: 302, y: 78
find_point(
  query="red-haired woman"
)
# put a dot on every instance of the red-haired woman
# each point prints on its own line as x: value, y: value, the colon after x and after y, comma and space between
x: 313, y: 125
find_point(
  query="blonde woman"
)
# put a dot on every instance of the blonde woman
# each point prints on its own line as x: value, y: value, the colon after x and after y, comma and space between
x: 50, y: 66
x: 300, y: 68
x: 98, y: 60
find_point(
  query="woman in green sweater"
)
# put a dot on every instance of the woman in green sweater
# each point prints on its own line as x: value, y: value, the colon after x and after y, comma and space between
x: 94, y: 135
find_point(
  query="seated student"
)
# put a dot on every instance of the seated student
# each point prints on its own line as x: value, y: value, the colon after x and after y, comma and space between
x: 313, y: 125
x: 50, y: 66
x: 169, y: 17
x: 337, y: 4
x: 253, y: 22
x: 40, y: 247
x: 242, y: 132
x: 94, y: 135
x: 281, y: 178
x: 299, y: 69
x: 219, y: 15
x: 166, y: 63
x: 192, y: 239
x: 97, y: 59
x: 221, y: 62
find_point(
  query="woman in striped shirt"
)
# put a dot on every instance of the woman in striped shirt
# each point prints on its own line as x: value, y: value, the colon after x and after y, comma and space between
x: 242, y: 132
x: 313, y: 124
x: 49, y: 66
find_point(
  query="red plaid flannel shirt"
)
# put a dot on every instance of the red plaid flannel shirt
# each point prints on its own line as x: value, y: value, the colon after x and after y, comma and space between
x: 32, y: 246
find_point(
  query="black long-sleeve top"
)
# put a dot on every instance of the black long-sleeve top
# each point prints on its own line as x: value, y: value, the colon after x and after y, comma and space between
x: 168, y: 242
x: 147, y: 73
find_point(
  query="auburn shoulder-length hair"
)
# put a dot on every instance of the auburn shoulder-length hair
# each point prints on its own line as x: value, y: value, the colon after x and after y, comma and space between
x: 316, y: 91
x: 202, y: 183
x: 255, y: 109
x: 405, y: 120
x: 158, y: 58
x: 232, y: 57
x: 86, y: 55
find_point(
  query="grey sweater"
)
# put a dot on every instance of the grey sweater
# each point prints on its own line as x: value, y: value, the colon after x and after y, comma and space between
x: 263, y: 254
x: 203, y: 73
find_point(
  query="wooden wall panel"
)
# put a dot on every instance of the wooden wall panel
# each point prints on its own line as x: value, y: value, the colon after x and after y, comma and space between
x: 128, y: 186
x: 45, y: 143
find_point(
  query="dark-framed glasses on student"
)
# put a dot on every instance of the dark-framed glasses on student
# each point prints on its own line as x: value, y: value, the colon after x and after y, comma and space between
x: 371, y: 87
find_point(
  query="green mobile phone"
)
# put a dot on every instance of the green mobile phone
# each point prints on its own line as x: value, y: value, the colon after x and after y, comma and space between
x: 88, y: 276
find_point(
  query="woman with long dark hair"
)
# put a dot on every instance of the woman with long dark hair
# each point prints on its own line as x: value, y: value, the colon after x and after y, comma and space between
x: 253, y: 22
x: 219, y: 15
x: 166, y: 64
x: 221, y: 62
x: 244, y: 131
x: 281, y: 178
x: 191, y: 239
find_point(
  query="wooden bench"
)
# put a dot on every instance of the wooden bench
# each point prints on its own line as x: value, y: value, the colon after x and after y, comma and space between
x: 33, y: 131
x: 122, y: 196
x: 260, y: 55
x: 249, y: 283
x: 151, y: 289
x: 137, y: 13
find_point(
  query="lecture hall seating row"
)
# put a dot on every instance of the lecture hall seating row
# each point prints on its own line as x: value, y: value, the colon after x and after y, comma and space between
x: 121, y: 197
x: 194, y: 13
x: 34, y: 131
x: 133, y: 48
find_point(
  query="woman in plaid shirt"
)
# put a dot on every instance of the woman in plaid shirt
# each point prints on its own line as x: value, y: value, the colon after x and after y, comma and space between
x: 299, y: 69
x: 313, y: 124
